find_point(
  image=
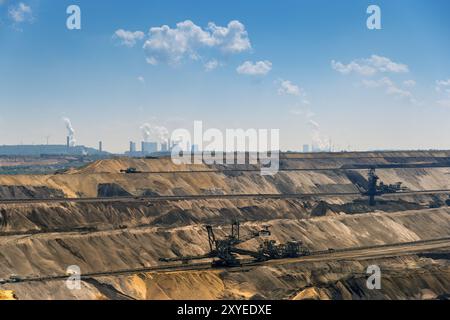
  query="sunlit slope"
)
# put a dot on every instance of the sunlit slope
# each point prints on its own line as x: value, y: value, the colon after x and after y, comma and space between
x: 51, y: 253
x: 163, y: 177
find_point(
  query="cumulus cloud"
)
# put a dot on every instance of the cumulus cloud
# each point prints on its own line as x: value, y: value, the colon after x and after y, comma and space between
x: 255, y: 68
x: 390, y: 88
x: 353, y: 67
x: 374, y: 65
x: 20, y: 13
x: 370, y: 66
x: 383, y: 82
x: 231, y: 39
x: 443, y: 86
x: 398, y: 92
x: 128, y: 38
x: 187, y: 41
x: 289, y: 88
x: 211, y: 65
x: 409, y: 83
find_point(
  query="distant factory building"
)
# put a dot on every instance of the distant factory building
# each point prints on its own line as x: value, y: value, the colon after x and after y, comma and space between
x: 164, y: 147
x: 132, y: 147
x: 306, y: 148
x: 149, y: 147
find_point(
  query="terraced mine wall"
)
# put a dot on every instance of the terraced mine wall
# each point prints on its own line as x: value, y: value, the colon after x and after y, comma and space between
x: 48, y: 254
x: 162, y: 177
x: 44, y: 238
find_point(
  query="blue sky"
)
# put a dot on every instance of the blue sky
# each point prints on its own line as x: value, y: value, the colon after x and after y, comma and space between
x: 309, y: 68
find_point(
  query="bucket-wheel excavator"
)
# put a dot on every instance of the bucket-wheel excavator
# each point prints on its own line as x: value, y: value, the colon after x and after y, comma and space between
x: 225, y: 251
x: 374, y: 189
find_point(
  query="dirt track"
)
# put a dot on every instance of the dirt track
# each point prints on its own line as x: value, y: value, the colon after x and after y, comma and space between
x: 223, y: 197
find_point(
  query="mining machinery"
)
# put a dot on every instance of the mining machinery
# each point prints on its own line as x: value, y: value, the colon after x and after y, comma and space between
x: 224, y: 251
x: 374, y: 189
x: 130, y: 171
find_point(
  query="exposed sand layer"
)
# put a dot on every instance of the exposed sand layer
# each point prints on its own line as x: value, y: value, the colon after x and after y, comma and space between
x: 46, y: 238
x: 85, y: 182
x: 51, y: 253
x: 402, y: 278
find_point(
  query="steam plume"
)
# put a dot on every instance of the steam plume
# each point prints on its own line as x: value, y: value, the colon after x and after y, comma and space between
x: 319, y: 141
x: 70, y: 131
x: 154, y: 133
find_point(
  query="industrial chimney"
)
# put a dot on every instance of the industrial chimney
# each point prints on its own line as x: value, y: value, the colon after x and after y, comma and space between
x: 132, y: 147
x: 68, y: 142
x: 100, y: 146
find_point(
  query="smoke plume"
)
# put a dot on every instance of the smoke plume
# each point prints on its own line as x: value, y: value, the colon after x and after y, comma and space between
x: 319, y: 141
x: 70, y: 131
x: 154, y: 133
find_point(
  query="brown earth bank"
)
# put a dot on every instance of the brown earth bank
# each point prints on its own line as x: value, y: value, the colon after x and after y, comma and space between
x: 42, y: 239
x: 162, y: 177
x: 409, y: 277
x: 51, y: 253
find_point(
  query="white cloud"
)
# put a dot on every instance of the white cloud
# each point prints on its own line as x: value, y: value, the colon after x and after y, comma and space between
x: 255, y: 69
x: 370, y: 66
x: 211, y: 65
x: 409, y: 83
x: 353, y: 67
x: 289, y: 88
x: 383, y: 82
x: 378, y: 65
x: 128, y: 38
x: 390, y: 88
x: 141, y: 79
x: 302, y: 111
x: 20, y: 13
x: 187, y: 40
x: 231, y: 39
x: 443, y: 86
x: 444, y: 83
x: 395, y: 91
x: 384, y: 64
x: 297, y: 112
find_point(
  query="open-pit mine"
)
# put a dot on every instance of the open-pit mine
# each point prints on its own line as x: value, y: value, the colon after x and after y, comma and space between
x: 146, y: 228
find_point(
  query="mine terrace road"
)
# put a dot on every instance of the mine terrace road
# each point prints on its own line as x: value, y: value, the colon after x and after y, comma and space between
x: 257, y: 170
x: 361, y: 253
x: 218, y: 197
